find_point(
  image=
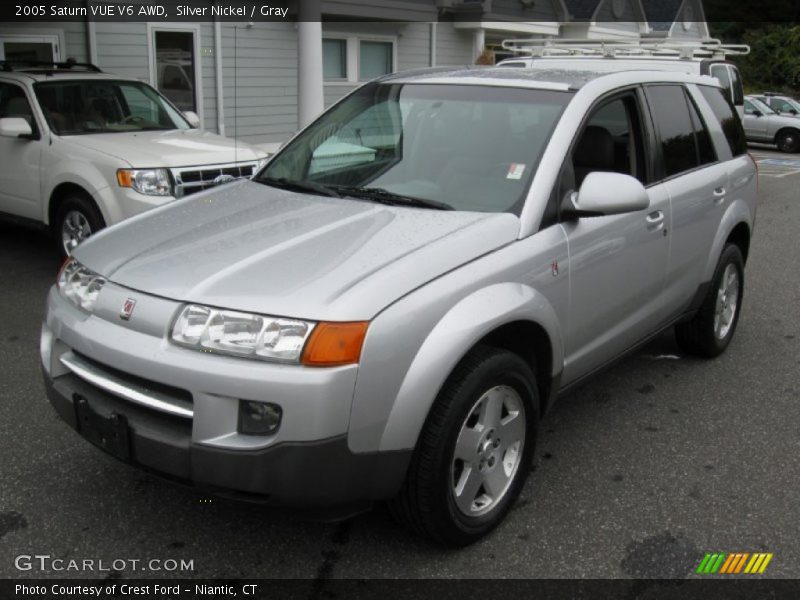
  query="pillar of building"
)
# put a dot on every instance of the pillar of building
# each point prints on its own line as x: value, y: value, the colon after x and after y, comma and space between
x: 310, y: 100
x: 478, y: 42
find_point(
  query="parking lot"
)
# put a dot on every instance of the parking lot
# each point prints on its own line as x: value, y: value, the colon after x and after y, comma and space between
x: 638, y: 474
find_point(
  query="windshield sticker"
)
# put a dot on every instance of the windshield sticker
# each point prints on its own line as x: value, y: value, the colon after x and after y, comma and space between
x: 515, y: 171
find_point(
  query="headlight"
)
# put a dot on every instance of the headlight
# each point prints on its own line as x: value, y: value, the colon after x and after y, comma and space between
x: 269, y: 338
x: 241, y: 334
x: 151, y: 182
x: 80, y: 285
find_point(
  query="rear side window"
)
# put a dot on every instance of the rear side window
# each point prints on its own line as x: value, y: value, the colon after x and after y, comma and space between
x: 705, y: 149
x: 736, y: 87
x: 677, y: 129
x: 728, y: 119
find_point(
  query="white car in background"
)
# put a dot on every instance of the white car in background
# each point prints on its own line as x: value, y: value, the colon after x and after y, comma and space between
x: 81, y: 149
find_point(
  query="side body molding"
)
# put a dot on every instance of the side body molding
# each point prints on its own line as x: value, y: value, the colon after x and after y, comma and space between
x: 462, y: 327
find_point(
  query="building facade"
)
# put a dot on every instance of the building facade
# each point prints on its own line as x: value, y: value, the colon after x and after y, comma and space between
x: 261, y: 81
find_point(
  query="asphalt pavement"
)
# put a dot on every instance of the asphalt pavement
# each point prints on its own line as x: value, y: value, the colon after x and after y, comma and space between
x: 638, y: 474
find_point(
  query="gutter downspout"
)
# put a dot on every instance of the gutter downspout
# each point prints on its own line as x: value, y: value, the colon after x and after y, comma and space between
x: 91, y: 36
x: 433, y: 42
x: 218, y: 76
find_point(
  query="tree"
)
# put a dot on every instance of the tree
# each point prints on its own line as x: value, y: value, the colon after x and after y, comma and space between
x: 774, y: 59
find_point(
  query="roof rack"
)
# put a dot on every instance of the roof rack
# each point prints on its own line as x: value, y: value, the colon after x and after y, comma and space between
x: 612, y: 48
x: 49, y: 65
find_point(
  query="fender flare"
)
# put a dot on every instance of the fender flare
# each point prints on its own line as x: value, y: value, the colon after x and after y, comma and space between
x: 738, y: 212
x: 463, y: 326
x: 83, y: 175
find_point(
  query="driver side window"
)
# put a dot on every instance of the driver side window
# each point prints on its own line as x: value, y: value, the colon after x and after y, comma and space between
x: 612, y: 140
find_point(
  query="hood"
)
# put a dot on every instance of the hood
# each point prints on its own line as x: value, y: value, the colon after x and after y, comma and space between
x: 177, y: 148
x: 250, y: 247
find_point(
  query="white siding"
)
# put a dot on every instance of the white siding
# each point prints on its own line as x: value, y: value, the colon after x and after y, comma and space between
x: 122, y: 49
x: 453, y: 46
x: 260, y: 81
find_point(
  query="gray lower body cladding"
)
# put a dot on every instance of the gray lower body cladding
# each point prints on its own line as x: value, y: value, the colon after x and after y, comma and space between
x: 322, y: 473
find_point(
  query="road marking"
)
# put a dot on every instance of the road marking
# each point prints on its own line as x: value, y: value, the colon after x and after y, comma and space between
x: 769, y: 165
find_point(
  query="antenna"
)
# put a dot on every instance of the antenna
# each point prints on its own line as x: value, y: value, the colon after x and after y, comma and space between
x: 235, y: 93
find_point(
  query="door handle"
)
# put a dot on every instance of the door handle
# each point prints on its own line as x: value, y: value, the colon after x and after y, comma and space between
x: 655, y: 219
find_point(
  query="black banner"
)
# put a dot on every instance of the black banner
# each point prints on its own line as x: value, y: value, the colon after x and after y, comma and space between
x: 409, y: 10
x: 742, y: 587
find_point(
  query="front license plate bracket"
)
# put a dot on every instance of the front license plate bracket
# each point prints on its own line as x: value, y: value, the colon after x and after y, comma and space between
x: 110, y: 433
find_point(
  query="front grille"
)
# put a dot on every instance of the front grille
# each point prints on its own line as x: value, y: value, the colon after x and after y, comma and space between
x: 197, y: 179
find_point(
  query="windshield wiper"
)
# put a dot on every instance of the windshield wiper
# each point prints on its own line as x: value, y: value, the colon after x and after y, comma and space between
x: 299, y: 186
x: 386, y: 197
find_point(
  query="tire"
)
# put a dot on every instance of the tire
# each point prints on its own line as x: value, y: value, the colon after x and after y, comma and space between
x: 788, y: 141
x: 76, y: 218
x: 709, y: 333
x: 428, y: 502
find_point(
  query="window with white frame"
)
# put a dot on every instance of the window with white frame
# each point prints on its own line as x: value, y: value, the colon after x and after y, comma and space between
x: 351, y: 59
x: 374, y: 59
x: 334, y: 59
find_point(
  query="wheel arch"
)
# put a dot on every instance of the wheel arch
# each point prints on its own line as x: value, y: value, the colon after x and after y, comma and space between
x: 740, y: 236
x: 531, y: 342
x: 501, y: 315
x: 62, y: 191
x: 735, y: 227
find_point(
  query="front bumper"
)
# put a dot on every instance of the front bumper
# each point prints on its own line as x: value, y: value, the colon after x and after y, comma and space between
x: 307, y: 463
x: 303, y: 474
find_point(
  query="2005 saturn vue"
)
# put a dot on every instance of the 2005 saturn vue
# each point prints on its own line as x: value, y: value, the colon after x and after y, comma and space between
x: 385, y: 311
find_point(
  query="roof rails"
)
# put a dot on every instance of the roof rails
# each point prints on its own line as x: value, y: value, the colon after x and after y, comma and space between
x: 614, y: 47
x: 48, y: 65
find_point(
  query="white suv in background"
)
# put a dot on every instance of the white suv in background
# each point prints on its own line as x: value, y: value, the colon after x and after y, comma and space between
x: 81, y: 149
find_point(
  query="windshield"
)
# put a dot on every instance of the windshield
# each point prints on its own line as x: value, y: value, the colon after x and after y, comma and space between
x: 466, y: 147
x: 760, y: 106
x: 105, y: 106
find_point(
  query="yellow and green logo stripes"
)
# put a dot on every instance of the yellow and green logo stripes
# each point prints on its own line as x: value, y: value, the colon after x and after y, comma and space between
x: 734, y: 563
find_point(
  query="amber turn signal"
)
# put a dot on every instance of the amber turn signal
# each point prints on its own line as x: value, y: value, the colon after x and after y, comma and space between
x: 125, y: 178
x: 333, y: 344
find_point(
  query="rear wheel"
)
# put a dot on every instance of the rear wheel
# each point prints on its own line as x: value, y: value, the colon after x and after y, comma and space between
x: 788, y: 141
x: 76, y: 219
x: 712, y: 328
x: 474, y: 452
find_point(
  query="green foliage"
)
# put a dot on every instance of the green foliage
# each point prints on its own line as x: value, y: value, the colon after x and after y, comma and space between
x: 774, y: 59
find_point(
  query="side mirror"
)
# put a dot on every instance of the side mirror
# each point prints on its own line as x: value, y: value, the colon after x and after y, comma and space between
x: 757, y: 113
x: 603, y: 193
x: 792, y: 111
x: 15, y: 127
x: 192, y: 117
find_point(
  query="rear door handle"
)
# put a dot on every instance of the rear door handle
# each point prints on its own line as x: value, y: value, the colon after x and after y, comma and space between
x: 655, y: 219
x: 719, y: 195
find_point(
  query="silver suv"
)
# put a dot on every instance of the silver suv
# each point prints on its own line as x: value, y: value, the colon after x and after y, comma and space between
x: 389, y: 307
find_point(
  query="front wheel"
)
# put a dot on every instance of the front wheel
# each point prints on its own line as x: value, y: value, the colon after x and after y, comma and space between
x: 788, y: 141
x: 76, y: 219
x: 712, y: 328
x: 474, y: 452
